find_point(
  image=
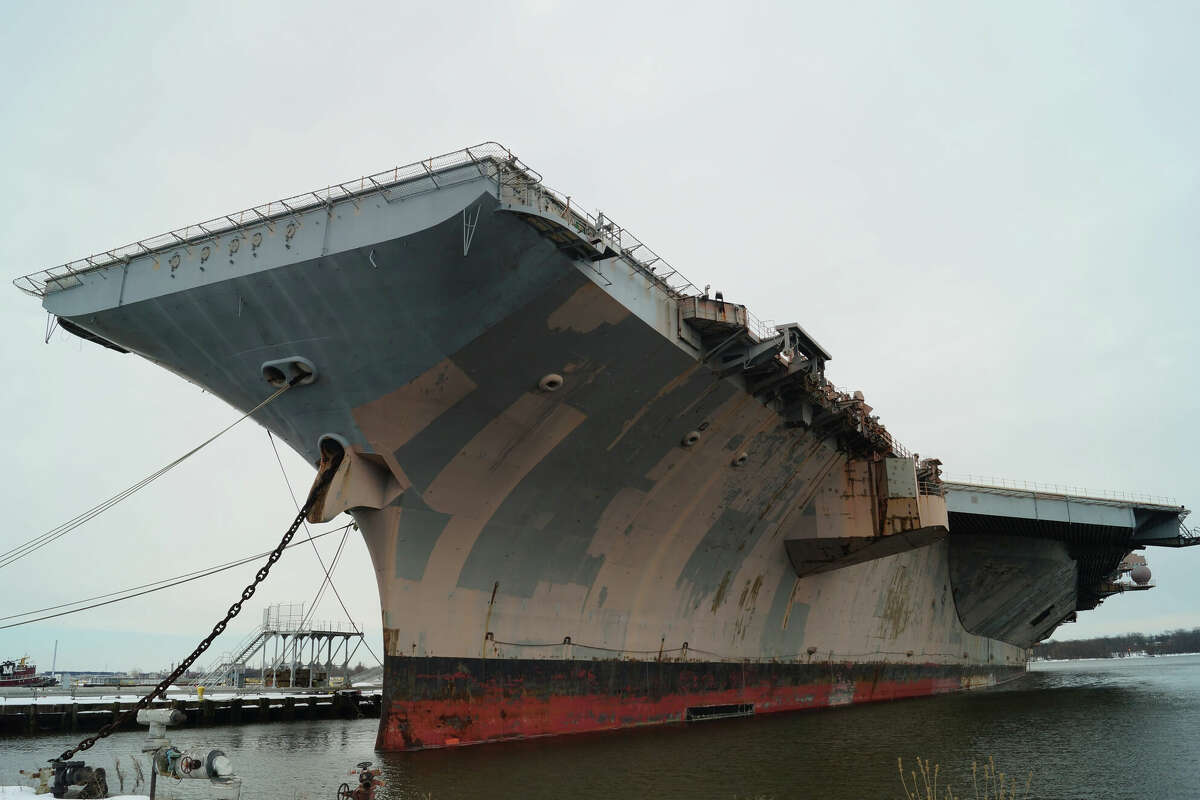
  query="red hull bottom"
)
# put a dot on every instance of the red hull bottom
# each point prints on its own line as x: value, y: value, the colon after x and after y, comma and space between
x: 441, y: 702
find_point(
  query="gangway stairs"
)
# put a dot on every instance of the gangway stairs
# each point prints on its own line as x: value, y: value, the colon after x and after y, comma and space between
x: 287, y: 631
x: 227, y: 670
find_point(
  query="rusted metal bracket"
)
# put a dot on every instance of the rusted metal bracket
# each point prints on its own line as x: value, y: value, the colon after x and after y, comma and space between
x: 826, y: 554
x: 357, y: 482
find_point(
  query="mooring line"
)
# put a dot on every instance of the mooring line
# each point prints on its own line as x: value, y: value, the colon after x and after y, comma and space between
x: 157, y: 586
x: 327, y: 570
x: 329, y: 465
x: 38, y: 542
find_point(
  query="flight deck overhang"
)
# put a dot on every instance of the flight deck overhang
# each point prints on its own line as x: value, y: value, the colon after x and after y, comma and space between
x: 1070, y: 518
x: 1025, y: 560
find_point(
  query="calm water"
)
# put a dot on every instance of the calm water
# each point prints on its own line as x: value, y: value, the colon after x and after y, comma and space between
x: 1114, y: 729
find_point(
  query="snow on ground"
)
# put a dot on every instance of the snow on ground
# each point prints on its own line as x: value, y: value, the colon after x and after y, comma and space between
x: 100, y: 699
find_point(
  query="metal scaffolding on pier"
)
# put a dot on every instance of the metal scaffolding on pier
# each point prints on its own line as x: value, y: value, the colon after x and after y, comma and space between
x: 288, y: 647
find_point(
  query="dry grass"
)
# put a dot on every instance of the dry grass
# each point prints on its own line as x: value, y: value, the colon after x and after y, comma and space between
x: 987, y: 782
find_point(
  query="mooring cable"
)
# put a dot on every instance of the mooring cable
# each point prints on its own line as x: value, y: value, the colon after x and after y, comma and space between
x: 312, y: 606
x: 166, y: 583
x: 38, y: 542
x: 329, y: 465
x: 328, y: 570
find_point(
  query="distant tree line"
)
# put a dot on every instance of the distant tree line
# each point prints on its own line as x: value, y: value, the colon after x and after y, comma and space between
x: 1176, y: 641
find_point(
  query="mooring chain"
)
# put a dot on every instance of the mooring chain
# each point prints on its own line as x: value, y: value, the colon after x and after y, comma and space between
x: 328, y: 468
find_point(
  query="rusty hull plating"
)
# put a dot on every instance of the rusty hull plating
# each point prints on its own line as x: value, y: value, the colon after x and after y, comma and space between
x: 594, y: 496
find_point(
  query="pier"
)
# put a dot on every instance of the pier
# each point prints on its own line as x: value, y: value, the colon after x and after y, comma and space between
x: 31, y: 712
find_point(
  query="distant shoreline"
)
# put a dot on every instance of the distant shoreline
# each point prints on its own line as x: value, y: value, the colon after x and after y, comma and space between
x: 1138, y: 657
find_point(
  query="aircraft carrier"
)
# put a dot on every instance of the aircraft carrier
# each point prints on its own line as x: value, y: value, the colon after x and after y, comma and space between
x: 595, y: 495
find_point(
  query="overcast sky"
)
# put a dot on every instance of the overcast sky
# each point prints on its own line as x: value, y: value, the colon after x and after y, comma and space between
x: 987, y: 214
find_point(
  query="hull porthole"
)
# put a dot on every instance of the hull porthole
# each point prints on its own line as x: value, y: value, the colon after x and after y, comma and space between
x: 551, y: 383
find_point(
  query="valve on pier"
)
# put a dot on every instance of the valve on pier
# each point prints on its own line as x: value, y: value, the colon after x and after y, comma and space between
x: 368, y: 782
x: 75, y: 773
x: 211, y: 765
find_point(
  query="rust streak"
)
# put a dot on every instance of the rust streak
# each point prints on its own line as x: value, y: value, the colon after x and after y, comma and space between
x: 487, y: 620
x: 787, y: 614
x: 807, y: 498
x: 720, y: 595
